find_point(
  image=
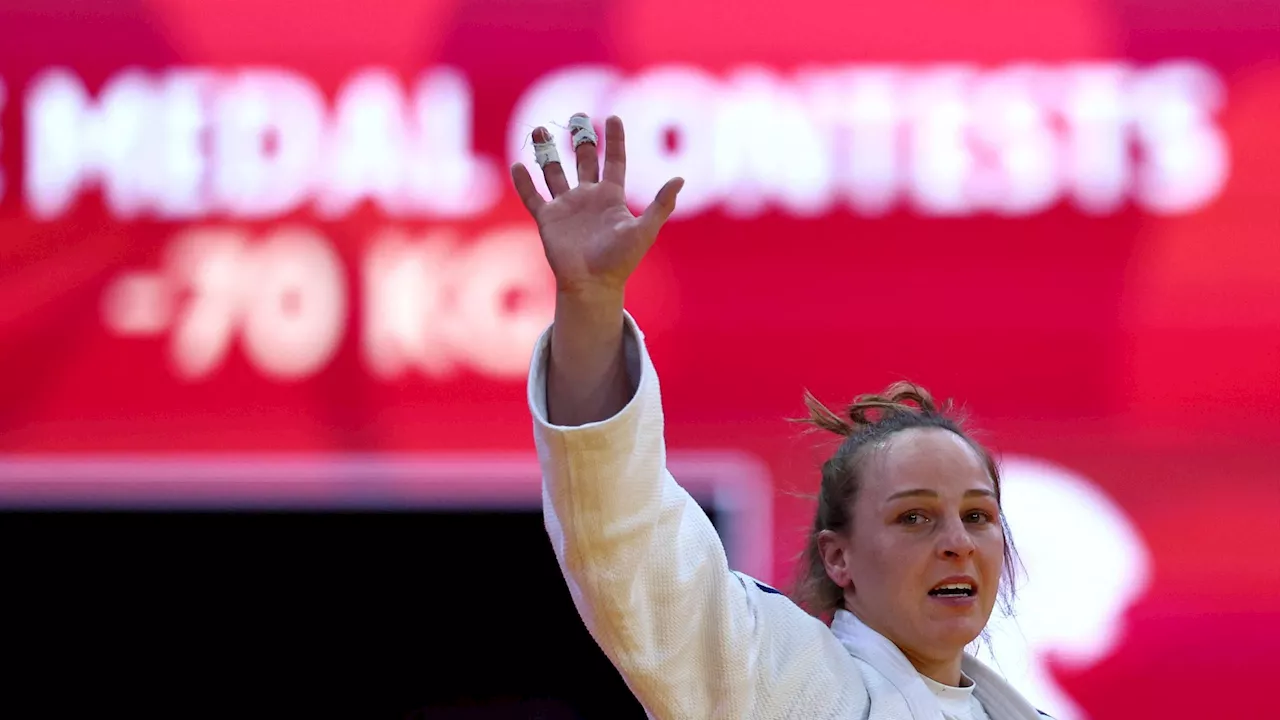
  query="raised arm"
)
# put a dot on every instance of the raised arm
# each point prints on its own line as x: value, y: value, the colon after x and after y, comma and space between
x: 593, y: 244
x: 644, y: 565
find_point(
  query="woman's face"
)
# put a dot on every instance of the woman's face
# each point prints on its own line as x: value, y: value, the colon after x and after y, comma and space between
x: 924, y: 557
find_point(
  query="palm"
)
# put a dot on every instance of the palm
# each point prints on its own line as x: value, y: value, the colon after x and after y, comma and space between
x: 589, y: 234
x: 590, y: 237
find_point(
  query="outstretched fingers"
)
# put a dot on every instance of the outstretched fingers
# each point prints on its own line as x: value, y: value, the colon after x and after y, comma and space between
x: 528, y: 192
x: 544, y: 150
x: 664, y: 203
x: 584, y: 148
x: 587, y: 160
x: 615, y: 151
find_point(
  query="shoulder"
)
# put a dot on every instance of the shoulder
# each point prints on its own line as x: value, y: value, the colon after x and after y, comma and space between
x: 779, y: 616
x: 802, y: 664
x: 766, y: 589
x: 766, y: 595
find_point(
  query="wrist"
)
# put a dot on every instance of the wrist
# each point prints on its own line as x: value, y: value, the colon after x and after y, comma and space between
x: 587, y: 325
x: 590, y: 299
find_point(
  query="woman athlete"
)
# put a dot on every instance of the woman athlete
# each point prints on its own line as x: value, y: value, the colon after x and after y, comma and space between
x: 908, y: 552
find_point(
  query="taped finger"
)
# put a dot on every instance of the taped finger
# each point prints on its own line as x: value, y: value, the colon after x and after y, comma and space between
x: 582, y: 131
x: 585, y: 145
x: 544, y: 152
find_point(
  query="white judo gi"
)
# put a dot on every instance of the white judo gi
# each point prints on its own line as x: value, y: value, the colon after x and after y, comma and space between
x: 692, y: 638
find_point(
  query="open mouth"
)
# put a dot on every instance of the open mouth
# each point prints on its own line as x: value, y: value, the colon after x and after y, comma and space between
x: 953, y: 590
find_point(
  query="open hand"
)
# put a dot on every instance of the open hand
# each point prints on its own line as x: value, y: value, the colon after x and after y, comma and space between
x: 592, y: 241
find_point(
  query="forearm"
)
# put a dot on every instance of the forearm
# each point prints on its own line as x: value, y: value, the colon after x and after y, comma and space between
x: 587, y: 379
x: 644, y: 565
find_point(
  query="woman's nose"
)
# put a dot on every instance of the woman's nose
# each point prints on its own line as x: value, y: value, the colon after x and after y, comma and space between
x: 955, y: 541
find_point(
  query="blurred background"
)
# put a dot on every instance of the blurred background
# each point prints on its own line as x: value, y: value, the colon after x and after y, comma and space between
x: 267, y: 304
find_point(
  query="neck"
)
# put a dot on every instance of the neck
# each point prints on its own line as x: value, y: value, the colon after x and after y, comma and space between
x: 946, y: 672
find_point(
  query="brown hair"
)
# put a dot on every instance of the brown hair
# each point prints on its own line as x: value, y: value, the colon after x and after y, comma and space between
x: 870, y: 420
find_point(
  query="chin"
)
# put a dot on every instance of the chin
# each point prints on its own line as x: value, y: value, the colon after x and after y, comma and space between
x: 959, y: 632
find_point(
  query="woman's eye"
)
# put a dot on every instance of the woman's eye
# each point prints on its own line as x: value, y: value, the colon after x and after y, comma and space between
x: 912, y: 518
x: 978, y: 516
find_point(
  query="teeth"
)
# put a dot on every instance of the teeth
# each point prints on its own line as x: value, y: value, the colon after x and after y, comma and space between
x: 953, y: 590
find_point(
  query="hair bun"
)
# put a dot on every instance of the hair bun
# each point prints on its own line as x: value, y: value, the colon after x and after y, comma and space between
x: 867, y: 410
x: 900, y: 397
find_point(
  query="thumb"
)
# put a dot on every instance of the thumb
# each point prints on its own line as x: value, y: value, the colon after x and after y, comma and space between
x: 664, y: 203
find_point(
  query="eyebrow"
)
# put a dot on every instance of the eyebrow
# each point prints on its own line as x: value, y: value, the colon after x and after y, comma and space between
x: 921, y: 492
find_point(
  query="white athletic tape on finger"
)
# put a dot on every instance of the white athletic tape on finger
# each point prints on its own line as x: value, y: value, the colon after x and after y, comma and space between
x: 545, y: 152
x: 585, y: 132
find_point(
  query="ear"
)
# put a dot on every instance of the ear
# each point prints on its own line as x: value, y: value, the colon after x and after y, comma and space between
x: 835, y: 549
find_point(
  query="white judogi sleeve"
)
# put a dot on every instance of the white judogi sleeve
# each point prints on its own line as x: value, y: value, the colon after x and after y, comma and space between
x: 649, y: 576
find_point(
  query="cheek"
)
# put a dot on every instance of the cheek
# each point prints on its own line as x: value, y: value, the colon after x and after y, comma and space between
x: 900, y: 563
x: 991, y: 554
